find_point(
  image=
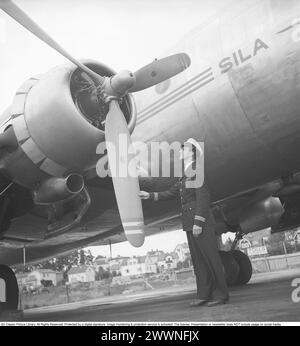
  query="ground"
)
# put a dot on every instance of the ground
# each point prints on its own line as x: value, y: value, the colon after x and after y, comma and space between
x: 268, y: 297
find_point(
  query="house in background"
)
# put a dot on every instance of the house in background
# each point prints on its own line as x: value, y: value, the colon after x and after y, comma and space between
x: 81, y: 274
x: 168, y: 262
x: 22, y: 278
x: 102, y: 262
x: 134, y: 266
x: 118, y: 259
x: 116, y: 263
x: 151, y: 261
x: 115, y: 268
x: 182, y: 251
x: 34, y: 279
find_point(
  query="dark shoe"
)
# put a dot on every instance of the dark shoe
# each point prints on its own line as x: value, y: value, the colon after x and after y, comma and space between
x: 217, y: 302
x: 198, y: 302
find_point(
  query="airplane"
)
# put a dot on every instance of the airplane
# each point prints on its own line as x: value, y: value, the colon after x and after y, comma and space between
x: 235, y: 88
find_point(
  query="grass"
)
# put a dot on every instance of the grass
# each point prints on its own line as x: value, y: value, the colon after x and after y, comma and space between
x: 94, y: 290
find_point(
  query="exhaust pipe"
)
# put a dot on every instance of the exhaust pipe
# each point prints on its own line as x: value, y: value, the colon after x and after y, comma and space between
x: 57, y: 189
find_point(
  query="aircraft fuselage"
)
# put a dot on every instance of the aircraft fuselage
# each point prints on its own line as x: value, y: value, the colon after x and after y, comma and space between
x: 240, y: 96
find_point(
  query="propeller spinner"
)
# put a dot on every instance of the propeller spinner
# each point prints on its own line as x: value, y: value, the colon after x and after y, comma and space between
x: 114, y: 88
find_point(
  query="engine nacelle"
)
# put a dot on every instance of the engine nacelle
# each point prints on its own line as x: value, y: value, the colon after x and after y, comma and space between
x: 52, y: 118
x: 261, y: 215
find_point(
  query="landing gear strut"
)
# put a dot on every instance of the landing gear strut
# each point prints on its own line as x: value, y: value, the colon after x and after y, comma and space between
x: 9, y: 290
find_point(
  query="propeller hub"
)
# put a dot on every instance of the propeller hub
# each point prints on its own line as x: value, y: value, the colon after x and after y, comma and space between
x: 120, y: 83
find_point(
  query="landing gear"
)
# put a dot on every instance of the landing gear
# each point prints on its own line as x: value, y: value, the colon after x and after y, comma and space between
x: 9, y: 290
x: 245, y: 267
x: 231, y: 267
x: 242, y: 260
x: 237, y: 265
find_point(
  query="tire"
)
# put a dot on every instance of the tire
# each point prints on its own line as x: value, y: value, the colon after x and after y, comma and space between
x: 231, y: 267
x: 11, y: 290
x: 245, y: 272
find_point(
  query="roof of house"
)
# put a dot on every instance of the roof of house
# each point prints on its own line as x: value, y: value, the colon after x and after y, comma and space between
x: 118, y: 258
x: 99, y: 257
x: 100, y: 260
x: 79, y: 270
x: 161, y: 257
x: 139, y: 259
x: 155, y: 253
x: 164, y: 256
x: 44, y: 271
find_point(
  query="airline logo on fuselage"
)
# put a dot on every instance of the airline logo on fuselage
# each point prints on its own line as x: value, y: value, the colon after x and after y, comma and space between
x: 239, y: 57
x: 205, y: 77
x: 236, y: 59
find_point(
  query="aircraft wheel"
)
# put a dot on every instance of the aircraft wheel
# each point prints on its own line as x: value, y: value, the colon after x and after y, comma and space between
x: 231, y: 267
x: 9, y: 290
x: 245, y: 265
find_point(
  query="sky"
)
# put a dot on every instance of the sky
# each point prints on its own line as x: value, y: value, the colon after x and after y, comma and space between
x: 163, y: 241
x: 122, y: 34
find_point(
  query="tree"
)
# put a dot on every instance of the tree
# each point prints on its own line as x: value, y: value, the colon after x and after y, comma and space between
x: 89, y: 257
x: 86, y: 257
x: 62, y: 263
x: 102, y: 274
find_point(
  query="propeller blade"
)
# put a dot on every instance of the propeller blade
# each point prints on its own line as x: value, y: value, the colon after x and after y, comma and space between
x: 22, y: 18
x: 126, y: 185
x: 160, y: 70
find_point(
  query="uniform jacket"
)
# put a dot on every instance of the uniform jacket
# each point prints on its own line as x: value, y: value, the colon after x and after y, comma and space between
x: 195, y: 202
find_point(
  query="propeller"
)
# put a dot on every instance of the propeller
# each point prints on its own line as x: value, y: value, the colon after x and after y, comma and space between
x: 127, y: 187
x: 160, y: 70
x: 22, y: 18
x: 114, y: 88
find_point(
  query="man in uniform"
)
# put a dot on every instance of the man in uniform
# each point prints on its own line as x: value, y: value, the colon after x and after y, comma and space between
x: 197, y: 222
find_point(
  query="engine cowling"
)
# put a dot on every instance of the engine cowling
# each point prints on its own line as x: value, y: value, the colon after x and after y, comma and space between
x: 52, y: 119
x: 261, y: 215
